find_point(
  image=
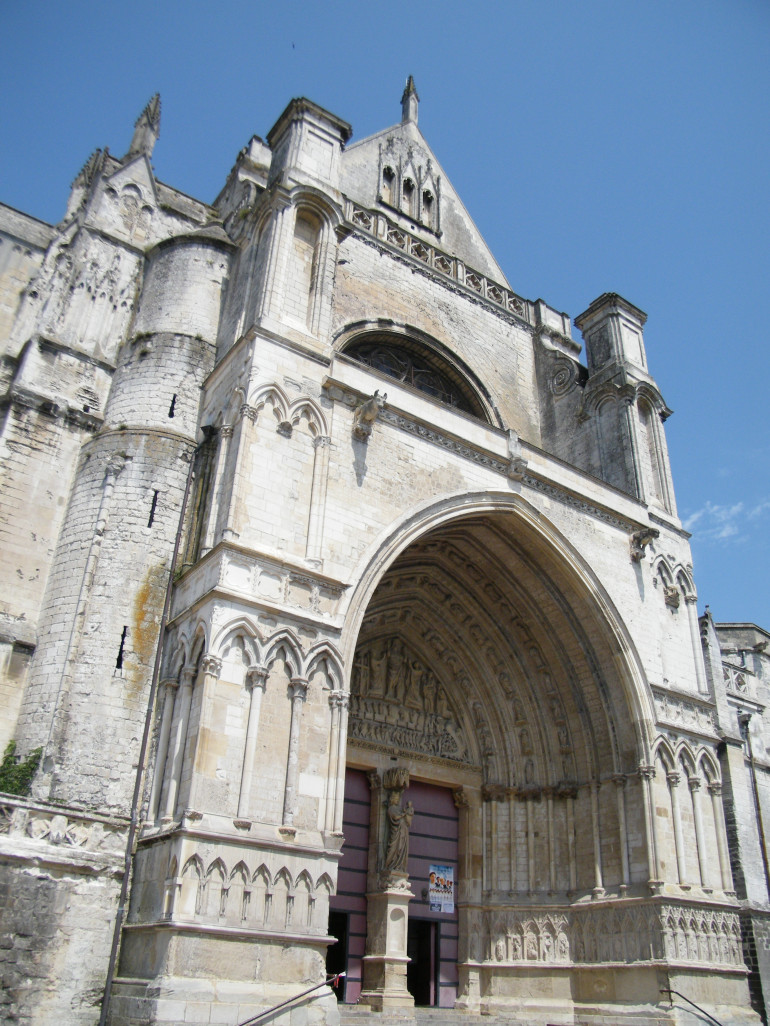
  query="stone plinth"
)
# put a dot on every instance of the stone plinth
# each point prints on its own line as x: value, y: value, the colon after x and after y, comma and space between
x: 384, y: 982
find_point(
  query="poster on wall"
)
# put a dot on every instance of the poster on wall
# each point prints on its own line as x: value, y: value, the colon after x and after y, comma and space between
x: 441, y: 889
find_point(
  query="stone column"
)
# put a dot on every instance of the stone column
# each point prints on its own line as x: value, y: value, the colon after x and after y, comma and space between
x: 272, y: 272
x: 297, y: 694
x: 241, y: 441
x: 569, y: 797
x: 180, y: 736
x: 700, y: 838
x: 342, y: 740
x: 169, y: 696
x: 531, y: 843
x: 646, y: 774
x: 691, y: 603
x: 492, y: 794
x: 715, y: 790
x: 208, y: 530
x: 256, y: 681
x: 511, y: 792
x: 681, y: 864
x: 385, y: 961
x: 551, y: 843
x: 331, y: 768
x: 208, y: 675
x: 628, y: 406
x: 315, y: 526
x: 620, y: 783
x: 468, y: 990
x: 598, y: 889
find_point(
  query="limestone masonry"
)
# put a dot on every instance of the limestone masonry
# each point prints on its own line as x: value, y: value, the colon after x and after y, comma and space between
x: 351, y: 619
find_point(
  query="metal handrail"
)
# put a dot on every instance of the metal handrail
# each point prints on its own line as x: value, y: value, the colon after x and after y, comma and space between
x: 668, y: 990
x: 291, y: 1000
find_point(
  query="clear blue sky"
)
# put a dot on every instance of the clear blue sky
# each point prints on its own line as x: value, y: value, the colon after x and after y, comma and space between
x: 600, y: 147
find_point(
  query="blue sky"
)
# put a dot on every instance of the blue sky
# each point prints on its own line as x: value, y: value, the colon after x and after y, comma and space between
x: 600, y: 147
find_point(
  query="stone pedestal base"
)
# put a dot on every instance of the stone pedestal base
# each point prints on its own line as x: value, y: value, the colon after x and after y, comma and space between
x: 468, y: 989
x: 384, y: 982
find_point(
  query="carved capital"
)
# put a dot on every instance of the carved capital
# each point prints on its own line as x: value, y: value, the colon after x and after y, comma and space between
x: 493, y: 792
x: 322, y: 442
x: 460, y: 798
x: 715, y: 787
x: 189, y: 673
x: 298, y: 689
x: 375, y: 780
x: 673, y: 778
x: 170, y: 684
x: 340, y: 699
x: 619, y: 780
x: 211, y: 664
x: 694, y: 783
x: 256, y: 677
x: 226, y: 431
x: 646, y: 772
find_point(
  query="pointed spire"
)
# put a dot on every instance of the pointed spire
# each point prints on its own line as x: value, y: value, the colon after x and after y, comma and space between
x: 409, y: 102
x: 146, y: 130
x: 90, y: 169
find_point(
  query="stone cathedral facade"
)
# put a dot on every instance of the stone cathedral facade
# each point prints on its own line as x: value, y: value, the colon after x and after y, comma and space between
x: 348, y: 619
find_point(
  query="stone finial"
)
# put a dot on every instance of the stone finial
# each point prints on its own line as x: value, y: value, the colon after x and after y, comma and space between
x: 146, y: 130
x: 410, y: 101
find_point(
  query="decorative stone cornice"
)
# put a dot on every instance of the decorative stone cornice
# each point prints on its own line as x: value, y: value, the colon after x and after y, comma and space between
x: 390, y: 237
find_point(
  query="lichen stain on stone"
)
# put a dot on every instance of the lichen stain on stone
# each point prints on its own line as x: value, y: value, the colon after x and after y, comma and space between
x: 144, y: 631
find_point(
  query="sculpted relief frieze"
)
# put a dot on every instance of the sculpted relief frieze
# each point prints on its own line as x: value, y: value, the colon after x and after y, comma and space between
x: 398, y: 702
x: 639, y: 933
x: 684, y: 712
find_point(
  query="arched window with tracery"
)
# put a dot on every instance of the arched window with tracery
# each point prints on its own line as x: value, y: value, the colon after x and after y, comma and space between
x: 418, y: 366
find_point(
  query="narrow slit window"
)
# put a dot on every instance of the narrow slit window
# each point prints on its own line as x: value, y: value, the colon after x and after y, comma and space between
x: 121, y: 649
x: 172, y: 408
x: 153, y: 506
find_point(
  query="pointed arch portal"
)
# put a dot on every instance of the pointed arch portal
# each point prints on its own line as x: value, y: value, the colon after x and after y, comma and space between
x: 489, y: 663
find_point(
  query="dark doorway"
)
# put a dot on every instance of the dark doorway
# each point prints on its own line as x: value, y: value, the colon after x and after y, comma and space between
x: 421, y: 945
x: 337, y: 954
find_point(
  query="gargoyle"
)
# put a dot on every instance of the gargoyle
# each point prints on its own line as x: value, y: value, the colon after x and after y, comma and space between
x: 366, y: 414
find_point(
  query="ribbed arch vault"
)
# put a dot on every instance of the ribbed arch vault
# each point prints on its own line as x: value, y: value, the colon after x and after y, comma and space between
x: 528, y: 663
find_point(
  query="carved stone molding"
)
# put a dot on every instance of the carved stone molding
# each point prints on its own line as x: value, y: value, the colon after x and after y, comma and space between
x: 614, y: 934
x: 685, y: 712
x: 62, y: 829
x: 397, y: 701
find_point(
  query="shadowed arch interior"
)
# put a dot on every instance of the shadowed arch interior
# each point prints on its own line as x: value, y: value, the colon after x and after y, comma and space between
x: 517, y: 646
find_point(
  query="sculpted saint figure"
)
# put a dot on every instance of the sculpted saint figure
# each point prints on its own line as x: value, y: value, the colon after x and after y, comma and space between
x: 400, y: 820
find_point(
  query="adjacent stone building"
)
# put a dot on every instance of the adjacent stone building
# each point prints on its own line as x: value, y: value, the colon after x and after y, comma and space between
x: 352, y: 619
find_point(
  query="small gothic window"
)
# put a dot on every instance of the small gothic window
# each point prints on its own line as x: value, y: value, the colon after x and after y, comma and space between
x: 427, y: 207
x: 414, y: 364
x: 388, y: 181
x: 409, y: 197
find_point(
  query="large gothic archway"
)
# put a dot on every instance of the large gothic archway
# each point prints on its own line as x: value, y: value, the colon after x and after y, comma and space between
x: 489, y: 661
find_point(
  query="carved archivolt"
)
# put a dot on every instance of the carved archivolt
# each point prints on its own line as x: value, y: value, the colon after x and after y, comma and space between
x: 397, y: 701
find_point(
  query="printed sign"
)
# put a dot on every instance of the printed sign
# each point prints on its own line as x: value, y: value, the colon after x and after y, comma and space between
x: 441, y: 889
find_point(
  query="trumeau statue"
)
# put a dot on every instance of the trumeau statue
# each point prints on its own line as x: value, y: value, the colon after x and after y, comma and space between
x: 399, y: 822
